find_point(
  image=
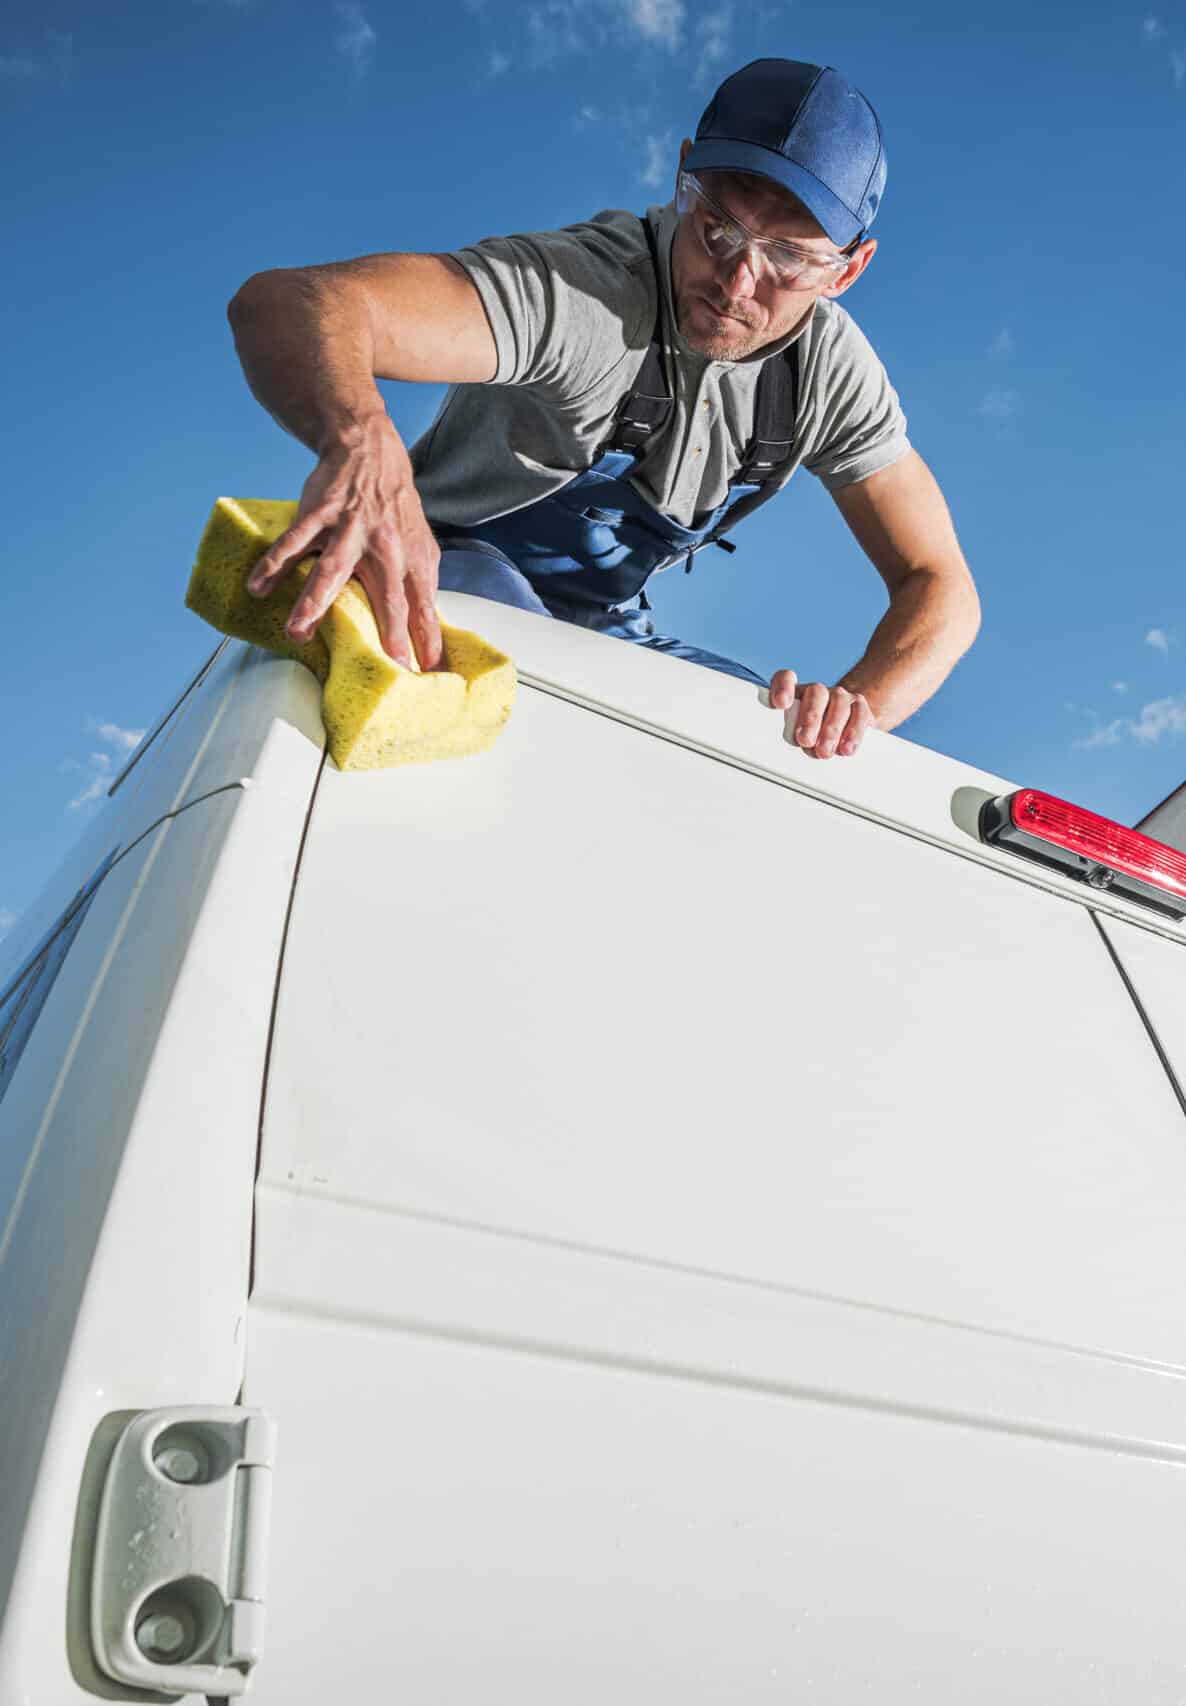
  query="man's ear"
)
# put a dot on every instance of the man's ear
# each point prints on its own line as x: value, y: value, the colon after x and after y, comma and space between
x: 858, y: 261
x: 684, y: 147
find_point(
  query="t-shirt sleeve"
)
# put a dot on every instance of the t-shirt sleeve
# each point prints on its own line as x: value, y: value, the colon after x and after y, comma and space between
x: 860, y: 428
x: 564, y: 306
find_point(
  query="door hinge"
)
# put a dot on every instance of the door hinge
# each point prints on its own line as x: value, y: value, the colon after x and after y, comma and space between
x: 181, y: 1550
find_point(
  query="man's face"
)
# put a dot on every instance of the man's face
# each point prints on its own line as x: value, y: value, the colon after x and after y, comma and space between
x: 725, y: 309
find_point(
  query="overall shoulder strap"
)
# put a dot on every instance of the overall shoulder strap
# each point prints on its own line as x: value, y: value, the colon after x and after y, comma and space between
x: 646, y: 407
x: 776, y: 408
x: 772, y: 446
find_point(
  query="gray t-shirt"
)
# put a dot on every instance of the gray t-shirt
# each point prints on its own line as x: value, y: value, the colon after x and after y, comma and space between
x: 572, y: 312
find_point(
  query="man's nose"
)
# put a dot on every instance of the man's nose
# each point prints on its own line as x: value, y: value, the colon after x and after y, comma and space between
x: 740, y: 275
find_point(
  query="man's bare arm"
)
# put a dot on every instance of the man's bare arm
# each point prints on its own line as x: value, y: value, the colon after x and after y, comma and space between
x: 312, y: 342
x: 902, y: 523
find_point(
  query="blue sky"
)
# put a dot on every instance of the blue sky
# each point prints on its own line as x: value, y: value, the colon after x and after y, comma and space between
x: 1027, y: 299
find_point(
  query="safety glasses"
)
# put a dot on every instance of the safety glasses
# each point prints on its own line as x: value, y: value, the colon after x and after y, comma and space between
x: 722, y: 236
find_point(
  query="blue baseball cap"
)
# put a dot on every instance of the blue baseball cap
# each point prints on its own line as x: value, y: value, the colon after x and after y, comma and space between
x: 805, y: 127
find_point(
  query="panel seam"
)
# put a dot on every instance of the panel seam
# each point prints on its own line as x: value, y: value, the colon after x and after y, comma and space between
x: 267, y: 1067
x: 1158, y: 1049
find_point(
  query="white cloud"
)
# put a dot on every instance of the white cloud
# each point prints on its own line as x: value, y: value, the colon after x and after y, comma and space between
x: 1109, y: 734
x: 100, y: 767
x: 586, y: 117
x: 1154, y: 33
x: 659, y: 160
x: 1163, y: 716
x: 559, y: 27
x: 713, y: 30
x: 1002, y: 345
x: 1160, y: 717
x: 355, y: 41
x: 1159, y: 640
x: 657, y: 20
x: 500, y: 63
x: 999, y: 405
x: 7, y: 920
x: 124, y: 740
x: 101, y: 775
x: 1120, y: 687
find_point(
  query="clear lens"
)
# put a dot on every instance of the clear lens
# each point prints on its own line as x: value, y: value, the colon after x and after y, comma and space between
x: 723, y: 238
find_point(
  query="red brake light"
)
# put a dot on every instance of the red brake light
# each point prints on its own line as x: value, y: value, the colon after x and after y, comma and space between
x: 1085, y: 845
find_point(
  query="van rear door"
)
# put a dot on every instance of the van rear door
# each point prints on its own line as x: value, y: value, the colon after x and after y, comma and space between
x: 709, y: 1245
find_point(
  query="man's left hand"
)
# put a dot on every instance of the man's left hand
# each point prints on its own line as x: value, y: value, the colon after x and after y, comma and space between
x: 820, y: 720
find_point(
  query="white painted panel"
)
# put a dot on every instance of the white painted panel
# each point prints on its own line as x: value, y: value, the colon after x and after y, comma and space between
x: 890, y: 781
x: 596, y: 988
x: 342, y: 1262
x: 458, y: 1523
x: 1157, y: 970
x: 128, y: 1139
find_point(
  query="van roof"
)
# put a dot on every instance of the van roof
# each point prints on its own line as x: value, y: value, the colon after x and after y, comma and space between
x: 892, y: 781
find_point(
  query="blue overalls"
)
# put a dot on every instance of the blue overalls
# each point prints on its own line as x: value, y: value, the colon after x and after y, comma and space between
x: 585, y: 552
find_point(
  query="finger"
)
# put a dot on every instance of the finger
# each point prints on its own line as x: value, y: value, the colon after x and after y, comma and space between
x: 384, y: 587
x: 860, y: 721
x: 424, y: 624
x: 289, y: 549
x: 834, y: 723
x: 334, y: 567
x: 782, y: 689
x: 813, y: 702
x: 382, y: 572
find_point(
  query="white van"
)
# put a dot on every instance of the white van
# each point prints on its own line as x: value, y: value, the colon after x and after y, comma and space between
x: 686, y: 1223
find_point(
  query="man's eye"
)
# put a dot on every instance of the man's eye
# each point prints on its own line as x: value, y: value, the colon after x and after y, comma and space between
x: 718, y: 232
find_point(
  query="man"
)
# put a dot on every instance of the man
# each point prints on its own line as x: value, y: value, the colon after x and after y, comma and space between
x: 622, y: 392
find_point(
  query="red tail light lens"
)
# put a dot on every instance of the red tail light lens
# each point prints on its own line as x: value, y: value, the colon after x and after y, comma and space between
x: 1107, y: 855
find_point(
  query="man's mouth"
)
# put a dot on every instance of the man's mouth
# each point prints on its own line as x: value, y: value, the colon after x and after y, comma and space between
x: 724, y: 313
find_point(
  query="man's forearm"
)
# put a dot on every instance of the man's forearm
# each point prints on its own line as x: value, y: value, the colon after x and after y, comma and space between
x: 312, y: 343
x: 307, y: 352
x: 930, y: 623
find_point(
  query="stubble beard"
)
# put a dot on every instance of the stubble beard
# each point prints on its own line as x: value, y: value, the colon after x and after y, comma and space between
x: 718, y: 346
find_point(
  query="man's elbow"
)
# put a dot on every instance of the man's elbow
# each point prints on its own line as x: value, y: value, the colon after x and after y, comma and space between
x: 250, y: 296
x: 266, y: 293
x: 969, y: 614
x: 955, y: 604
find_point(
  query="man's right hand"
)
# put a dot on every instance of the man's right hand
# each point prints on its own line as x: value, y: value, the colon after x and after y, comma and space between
x: 361, y: 512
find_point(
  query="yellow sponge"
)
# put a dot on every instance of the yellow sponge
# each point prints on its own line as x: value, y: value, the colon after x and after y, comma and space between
x: 375, y: 713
